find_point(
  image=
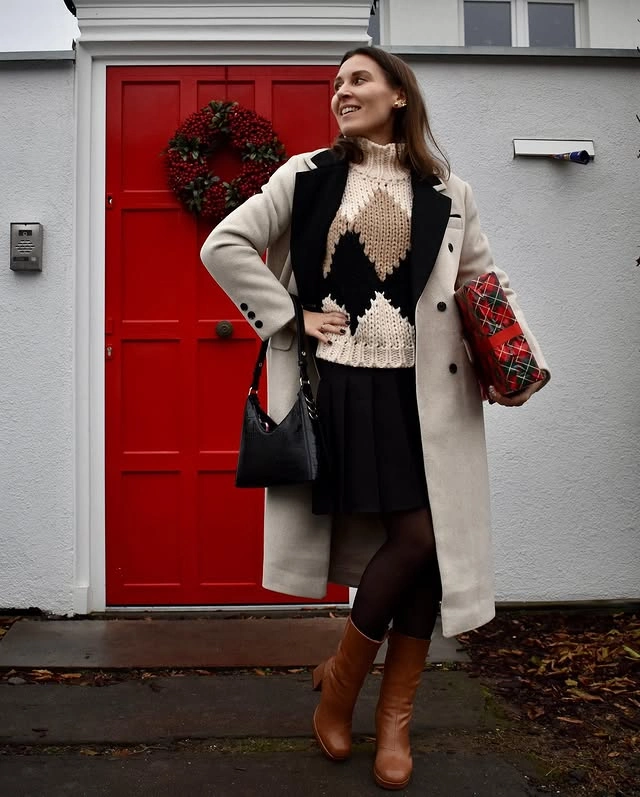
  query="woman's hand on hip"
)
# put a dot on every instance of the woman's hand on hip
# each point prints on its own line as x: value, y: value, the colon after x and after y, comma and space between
x: 519, y: 399
x: 323, y: 325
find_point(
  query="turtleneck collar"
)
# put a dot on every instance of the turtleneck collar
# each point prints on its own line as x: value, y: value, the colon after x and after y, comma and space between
x: 380, y: 161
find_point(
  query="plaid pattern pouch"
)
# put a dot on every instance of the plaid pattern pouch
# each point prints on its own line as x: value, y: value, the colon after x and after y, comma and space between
x: 500, y: 353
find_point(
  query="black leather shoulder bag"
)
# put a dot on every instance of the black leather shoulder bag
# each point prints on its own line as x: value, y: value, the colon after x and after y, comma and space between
x: 279, y: 453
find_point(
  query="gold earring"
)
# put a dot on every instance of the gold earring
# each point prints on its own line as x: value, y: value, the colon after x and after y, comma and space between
x: 400, y: 104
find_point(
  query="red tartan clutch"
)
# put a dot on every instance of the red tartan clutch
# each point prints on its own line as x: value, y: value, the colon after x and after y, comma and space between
x: 500, y: 352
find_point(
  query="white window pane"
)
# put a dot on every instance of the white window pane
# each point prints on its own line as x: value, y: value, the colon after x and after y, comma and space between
x: 487, y: 23
x: 552, y: 25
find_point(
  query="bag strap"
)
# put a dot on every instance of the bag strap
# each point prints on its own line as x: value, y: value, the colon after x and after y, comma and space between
x: 302, y: 355
x: 257, y: 371
x: 305, y: 385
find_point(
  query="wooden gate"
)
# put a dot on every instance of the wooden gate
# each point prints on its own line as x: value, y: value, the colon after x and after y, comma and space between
x: 177, y: 531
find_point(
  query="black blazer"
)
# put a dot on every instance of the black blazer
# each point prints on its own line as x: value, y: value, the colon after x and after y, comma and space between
x: 316, y: 199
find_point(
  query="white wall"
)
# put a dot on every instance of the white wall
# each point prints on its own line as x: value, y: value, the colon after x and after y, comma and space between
x: 419, y: 22
x: 36, y: 400
x: 565, y: 468
x: 437, y: 23
x: 614, y: 23
x: 36, y: 25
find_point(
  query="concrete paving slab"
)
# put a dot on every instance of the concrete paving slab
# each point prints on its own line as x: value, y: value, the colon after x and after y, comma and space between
x: 149, y: 643
x: 210, y: 707
x: 248, y: 775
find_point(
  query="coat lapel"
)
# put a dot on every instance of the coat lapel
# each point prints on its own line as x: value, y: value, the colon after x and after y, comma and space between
x: 429, y: 219
x: 316, y: 200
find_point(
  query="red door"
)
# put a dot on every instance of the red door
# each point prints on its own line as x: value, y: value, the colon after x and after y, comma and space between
x: 177, y: 531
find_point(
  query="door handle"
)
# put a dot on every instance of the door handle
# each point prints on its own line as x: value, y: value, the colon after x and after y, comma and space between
x: 224, y: 329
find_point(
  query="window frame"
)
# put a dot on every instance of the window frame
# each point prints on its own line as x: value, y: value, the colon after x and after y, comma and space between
x: 520, y: 20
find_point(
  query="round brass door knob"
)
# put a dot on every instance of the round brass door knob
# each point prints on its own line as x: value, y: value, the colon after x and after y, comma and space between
x: 224, y: 329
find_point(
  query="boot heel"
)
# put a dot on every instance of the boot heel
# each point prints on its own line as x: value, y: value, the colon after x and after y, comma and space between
x: 317, y: 676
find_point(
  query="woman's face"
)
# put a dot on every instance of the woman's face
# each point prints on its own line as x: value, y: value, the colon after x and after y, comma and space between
x: 363, y: 100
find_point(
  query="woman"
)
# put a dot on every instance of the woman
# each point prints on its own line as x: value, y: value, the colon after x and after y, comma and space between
x: 374, y: 236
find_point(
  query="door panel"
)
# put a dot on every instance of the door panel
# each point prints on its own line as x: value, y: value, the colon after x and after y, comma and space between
x: 178, y: 532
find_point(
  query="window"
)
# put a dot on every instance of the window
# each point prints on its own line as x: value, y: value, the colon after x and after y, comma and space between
x: 552, y: 25
x: 520, y: 23
x: 487, y: 23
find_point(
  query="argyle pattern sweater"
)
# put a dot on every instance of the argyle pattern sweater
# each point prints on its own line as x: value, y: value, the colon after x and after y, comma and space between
x: 366, y: 268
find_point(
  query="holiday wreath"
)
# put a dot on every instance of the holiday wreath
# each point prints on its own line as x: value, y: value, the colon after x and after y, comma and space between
x: 189, y: 153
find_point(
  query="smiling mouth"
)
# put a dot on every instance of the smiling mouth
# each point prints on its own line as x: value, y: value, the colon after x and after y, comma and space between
x: 349, y: 109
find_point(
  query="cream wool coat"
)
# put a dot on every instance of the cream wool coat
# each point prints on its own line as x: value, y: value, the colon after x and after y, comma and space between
x: 303, y: 551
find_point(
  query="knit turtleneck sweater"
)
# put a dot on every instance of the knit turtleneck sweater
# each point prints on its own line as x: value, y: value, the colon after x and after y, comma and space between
x: 366, y: 269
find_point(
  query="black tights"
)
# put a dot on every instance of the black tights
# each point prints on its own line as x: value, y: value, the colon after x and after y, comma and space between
x: 402, y: 580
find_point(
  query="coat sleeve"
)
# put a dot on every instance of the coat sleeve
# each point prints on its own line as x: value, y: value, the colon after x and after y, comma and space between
x: 232, y: 252
x: 476, y: 259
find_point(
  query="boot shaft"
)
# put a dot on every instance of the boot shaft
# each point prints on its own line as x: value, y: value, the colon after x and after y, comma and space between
x: 341, y: 678
x: 403, y: 667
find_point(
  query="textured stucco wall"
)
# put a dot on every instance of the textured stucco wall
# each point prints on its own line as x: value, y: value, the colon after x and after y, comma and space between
x: 36, y: 441
x: 564, y: 469
x: 566, y: 505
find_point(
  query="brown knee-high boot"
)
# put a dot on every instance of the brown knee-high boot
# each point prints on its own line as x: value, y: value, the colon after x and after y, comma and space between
x: 403, y: 667
x: 341, y: 678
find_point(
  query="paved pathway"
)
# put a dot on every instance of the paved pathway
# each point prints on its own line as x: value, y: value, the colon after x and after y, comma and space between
x: 227, y: 734
x: 252, y: 775
x: 213, y: 707
x: 153, y: 643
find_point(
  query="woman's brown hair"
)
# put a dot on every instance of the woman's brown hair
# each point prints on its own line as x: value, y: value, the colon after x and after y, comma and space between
x: 410, y: 124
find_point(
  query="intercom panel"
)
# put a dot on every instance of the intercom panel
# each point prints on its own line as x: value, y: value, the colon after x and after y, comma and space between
x: 26, y: 247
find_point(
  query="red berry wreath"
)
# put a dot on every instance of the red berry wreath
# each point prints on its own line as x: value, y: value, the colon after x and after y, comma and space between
x: 216, y: 125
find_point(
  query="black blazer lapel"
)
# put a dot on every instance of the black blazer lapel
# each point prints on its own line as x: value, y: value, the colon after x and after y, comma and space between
x: 316, y: 200
x: 429, y: 219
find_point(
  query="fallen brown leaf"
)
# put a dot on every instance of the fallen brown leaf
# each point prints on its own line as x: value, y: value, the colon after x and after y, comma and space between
x: 533, y: 712
x: 585, y: 695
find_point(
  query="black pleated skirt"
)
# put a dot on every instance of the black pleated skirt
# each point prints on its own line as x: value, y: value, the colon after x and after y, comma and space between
x: 372, y: 459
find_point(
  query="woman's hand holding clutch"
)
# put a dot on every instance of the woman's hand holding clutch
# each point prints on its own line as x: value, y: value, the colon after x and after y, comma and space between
x: 518, y: 399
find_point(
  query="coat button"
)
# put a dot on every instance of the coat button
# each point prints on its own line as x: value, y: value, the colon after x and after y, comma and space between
x: 451, y: 247
x: 244, y: 307
x: 251, y: 314
x: 453, y: 368
x: 258, y: 324
x: 442, y: 306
